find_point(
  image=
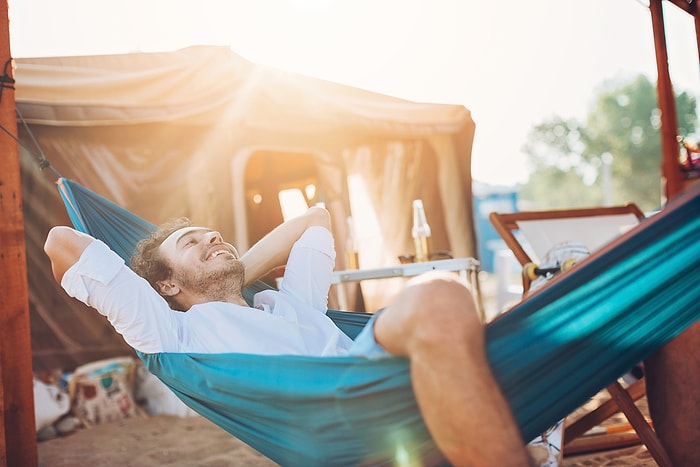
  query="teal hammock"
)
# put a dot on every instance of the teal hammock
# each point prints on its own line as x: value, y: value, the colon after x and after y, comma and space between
x: 549, y: 354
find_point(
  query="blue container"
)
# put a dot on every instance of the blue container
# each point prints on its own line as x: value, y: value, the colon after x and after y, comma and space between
x: 498, y: 199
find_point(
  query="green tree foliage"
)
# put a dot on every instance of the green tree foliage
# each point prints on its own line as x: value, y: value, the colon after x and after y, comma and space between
x: 567, y: 157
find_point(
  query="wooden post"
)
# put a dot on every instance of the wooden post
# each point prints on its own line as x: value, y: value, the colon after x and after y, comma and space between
x: 672, y: 376
x: 17, y: 405
x: 670, y: 151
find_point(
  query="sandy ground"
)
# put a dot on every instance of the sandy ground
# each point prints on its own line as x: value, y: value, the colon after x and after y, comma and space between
x: 151, y: 441
x: 194, y: 441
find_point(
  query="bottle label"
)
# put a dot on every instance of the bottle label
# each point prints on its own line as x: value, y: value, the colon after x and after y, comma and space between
x: 352, y: 260
x: 422, y: 249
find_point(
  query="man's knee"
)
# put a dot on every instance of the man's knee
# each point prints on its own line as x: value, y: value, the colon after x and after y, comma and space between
x: 433, y: 309
x: 439, y: 290
x: 441, y: 303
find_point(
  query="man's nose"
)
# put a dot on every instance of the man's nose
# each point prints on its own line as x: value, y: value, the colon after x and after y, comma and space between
x: 215, y: 237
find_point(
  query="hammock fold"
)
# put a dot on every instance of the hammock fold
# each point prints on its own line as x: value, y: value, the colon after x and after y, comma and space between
x: 549, y: 354
x: 103, y: 219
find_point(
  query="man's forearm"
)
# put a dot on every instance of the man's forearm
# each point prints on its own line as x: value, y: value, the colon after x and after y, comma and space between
x: 273, y: 249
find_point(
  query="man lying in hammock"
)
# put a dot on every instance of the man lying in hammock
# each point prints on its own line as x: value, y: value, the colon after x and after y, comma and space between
x: 194, y: 271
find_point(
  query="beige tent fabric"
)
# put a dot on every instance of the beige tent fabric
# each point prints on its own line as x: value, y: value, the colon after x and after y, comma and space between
x: 214, y: 85
x: 132, y: 88
x: 192, y: 133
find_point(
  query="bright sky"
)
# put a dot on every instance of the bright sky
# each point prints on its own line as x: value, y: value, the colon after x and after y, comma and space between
x: 513, y: 63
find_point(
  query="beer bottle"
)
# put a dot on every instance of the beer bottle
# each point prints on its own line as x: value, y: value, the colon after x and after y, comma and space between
x: 351, y: 256
x: 420, y: 232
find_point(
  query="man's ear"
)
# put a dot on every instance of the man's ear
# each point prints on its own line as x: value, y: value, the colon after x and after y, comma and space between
x: 167, y: 288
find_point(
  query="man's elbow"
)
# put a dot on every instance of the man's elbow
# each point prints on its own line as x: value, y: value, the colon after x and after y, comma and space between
x: 319, y: 216
x: 64, y: 246
x: 56, y: 240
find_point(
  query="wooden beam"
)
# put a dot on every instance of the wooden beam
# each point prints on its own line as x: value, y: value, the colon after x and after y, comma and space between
x: 689, y: 6
x: 670, y: 164
x: 600, y: 414
x: 3, y: 449
x: 603, y: 442
x: 18, y: 445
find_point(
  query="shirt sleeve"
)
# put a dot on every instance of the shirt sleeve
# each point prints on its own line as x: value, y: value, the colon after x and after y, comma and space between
x: 100, y: 279
x: 307, y: 276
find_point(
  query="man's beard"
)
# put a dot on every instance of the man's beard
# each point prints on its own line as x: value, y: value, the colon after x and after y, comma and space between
x: 216, y: 285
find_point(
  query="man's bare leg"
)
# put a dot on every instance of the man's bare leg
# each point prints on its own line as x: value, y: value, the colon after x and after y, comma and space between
x: 434, y: 323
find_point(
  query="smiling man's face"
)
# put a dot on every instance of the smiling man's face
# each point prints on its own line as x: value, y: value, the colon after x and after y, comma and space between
x: 202, y: 263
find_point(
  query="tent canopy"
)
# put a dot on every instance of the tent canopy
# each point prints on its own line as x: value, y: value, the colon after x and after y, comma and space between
x: 203, y: 133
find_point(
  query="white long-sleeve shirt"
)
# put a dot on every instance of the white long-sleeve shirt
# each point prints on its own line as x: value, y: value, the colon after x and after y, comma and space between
x: 291, y: 321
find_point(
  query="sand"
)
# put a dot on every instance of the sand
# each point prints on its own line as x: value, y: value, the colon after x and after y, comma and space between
x: 194, y: 441
x: 150, y: 441
x: 636, y: 456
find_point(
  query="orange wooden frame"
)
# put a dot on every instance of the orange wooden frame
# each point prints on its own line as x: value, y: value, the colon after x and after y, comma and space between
x: 507, y: 223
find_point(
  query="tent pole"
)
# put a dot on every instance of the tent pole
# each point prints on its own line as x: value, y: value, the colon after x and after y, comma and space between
x: 18, y: 444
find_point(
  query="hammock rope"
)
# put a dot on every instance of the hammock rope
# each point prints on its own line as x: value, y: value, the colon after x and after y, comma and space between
x: 549, y: 354
x: 40, y: 157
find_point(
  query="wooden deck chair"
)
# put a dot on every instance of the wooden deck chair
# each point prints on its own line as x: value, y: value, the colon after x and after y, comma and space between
x: 529, y: 235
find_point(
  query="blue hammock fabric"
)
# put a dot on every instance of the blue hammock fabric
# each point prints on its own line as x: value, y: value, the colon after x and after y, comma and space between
x: 103, y: 219
x: 549, y: 354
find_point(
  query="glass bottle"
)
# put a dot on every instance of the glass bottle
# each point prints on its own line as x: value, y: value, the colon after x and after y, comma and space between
x: 420, y: 232
x: 352, y: 258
